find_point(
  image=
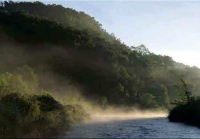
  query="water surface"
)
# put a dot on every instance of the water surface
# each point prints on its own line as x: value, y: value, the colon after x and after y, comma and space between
x: 135, y: 128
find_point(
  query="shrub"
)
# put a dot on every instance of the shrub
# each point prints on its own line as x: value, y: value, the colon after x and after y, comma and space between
x: 76, y: 114
x: 25, y: 111
x: 188, y: 113
x: 35, y: 116
x: 13, y: 110
x: 187, y: 107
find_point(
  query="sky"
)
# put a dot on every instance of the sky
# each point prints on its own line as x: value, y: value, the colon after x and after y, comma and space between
x: 165, y: 27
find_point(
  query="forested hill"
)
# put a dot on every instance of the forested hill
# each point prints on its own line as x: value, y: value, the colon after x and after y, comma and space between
x: 73, y: 46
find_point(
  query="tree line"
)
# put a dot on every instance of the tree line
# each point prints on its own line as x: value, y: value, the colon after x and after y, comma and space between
x: 104, y: 66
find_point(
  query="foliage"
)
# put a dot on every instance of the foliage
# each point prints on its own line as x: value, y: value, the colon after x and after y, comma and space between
x: 28, y: 75
x: 186, y: 113
x: 79, y: 49
x: 76, y: 114
x: 103, y: 102
x: 24, y: 112
x: 74, y: 46
x: 187, y: 107
x: 29, y: 117
x: 184, y: 93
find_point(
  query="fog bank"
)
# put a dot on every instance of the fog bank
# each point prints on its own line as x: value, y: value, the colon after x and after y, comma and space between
x: 111, y: 115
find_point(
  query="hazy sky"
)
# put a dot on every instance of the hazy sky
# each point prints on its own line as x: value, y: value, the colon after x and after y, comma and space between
x: 165, y: 27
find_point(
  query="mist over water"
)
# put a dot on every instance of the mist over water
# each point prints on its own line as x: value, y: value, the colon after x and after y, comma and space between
x: 113, y: 115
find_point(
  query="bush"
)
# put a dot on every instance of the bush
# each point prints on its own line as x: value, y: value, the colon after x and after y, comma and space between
x: 10, y: 83
x: 26, y: 112
x: 47, y: 102
x: 76, y: 114
x: 188, y: 113
x: 187, y: 109
x: 35, y: 116
x: 13, y: 110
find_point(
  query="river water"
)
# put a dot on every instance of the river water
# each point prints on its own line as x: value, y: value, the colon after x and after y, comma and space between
x: 134, y: 128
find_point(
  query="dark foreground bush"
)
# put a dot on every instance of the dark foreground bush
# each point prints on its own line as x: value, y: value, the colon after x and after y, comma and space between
x: 33, y: 116
x: 188, y: 113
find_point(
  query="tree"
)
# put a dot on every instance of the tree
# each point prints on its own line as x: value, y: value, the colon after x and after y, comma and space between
x: 166, y: 96
x: 104, y: 102
x: 141, y: 49
x: 183, y: 92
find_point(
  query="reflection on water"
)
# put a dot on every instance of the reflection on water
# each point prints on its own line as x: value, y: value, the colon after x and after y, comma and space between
x: 135, y: 128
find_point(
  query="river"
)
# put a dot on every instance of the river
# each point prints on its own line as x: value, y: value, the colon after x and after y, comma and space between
x: 134, y: 128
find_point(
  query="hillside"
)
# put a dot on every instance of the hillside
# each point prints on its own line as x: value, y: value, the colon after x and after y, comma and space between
x: 70, y: 48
